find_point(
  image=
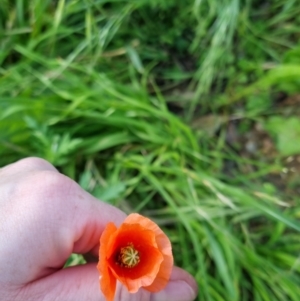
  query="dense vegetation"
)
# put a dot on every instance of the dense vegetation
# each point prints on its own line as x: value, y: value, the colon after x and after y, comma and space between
x: 183, y: 110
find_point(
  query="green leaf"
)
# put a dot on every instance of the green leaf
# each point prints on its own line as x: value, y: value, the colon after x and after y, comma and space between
x: 286, y: 132
x: 109, y: 193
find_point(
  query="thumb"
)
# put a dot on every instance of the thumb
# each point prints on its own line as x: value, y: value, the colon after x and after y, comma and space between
x: 76, y: 284
x: 81, y: 283
x: 71, y: 284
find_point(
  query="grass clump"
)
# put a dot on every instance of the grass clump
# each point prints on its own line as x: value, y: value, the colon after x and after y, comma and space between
x: 166, y: 108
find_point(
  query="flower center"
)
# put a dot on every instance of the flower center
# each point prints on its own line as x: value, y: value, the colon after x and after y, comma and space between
x: 128, y: 257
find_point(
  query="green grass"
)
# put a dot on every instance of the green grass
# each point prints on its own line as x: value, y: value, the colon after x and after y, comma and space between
x: 135, y: 101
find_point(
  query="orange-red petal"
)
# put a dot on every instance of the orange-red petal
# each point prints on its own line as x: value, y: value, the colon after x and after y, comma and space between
x: 133, y: 284
x: 108, y: 283
x: 151, y: 258
x: 164, y: 245
x: 107, y: 279
x: 163, y: 275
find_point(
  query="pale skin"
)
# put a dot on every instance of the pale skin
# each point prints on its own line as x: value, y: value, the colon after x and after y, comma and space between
x: 44, y: 217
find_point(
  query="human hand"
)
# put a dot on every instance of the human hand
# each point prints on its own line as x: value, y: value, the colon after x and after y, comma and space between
x: 44, y: 217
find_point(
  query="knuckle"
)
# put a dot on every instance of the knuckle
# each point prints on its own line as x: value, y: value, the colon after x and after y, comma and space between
x: 47, y: 186
x: 34, y: 163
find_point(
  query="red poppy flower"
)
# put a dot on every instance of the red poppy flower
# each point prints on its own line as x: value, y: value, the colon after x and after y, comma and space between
x: 138, y: 254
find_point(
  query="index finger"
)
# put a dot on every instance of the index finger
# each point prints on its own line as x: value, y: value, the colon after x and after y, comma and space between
x: 48, y: 217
